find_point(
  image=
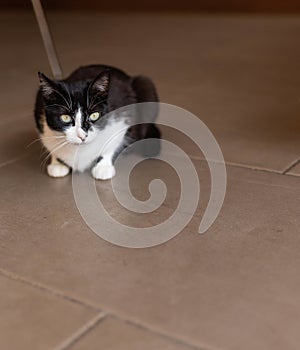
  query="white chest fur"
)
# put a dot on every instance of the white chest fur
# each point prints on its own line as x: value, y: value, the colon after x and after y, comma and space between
x: 80, y: 157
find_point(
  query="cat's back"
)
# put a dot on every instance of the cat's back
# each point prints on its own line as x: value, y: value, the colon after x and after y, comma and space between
x: 90, y: 72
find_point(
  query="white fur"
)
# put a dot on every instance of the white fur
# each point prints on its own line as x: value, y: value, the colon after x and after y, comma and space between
x: 56, y: 169
x: 75, y: 134
x: 79, y: 155
x: 103, y: 172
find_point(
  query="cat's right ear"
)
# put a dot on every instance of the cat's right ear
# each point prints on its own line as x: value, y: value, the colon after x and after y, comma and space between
x: 100, y: 85
x: 47, y: 85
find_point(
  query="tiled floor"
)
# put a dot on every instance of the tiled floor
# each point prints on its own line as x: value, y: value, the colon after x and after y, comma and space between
x: 237, y: 286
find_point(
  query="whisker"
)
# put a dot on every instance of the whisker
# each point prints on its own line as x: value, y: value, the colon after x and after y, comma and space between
x: 96, y: 104
x: 64, y: 143
x: 87, y: 97
x: 42, y: 138
x: 58, y: 147
x: 67, y: 89
x: 88, y: 94
x: 63, y: 97
x: 57, y: 105
x: 93, y: 105
x: 46, y: 150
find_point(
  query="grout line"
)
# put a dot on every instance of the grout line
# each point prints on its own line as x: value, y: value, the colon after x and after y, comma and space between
x: 198, y: 158
x: 157, y: 333
x: 292, y: 174
x: 50, y: 290
x: 92, y: 323
x: 13, y: 160
x: 290, y: 167
x: 255, y: 168
x: 240, y: 165
x: 85, y: 329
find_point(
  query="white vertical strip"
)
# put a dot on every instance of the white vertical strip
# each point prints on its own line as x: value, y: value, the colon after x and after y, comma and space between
x: 48, y: 42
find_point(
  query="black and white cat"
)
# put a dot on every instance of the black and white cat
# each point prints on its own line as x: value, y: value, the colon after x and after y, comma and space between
x: 69, y: 114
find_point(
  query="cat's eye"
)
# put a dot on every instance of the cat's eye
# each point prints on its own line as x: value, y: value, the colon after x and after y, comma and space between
x: 65, y: 118
x: 94, y: 116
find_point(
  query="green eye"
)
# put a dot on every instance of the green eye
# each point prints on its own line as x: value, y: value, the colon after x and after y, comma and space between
x: 94, y: 116
x: 65, y: 118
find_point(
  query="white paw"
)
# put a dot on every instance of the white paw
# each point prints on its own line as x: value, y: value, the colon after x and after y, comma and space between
x: 103, y: 172
x: 57, y: 170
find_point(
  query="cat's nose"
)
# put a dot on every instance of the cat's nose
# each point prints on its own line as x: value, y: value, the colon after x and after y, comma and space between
x: 82, y: 137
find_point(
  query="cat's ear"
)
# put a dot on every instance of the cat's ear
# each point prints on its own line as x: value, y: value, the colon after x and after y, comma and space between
x: 48, y: 86
x: 100, y: 85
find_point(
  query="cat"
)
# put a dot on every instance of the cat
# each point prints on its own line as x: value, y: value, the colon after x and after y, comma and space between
x: 70, y: 114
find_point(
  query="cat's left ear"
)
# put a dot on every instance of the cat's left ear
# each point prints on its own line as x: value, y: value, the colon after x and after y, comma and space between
x: 48, y: 86
x: 100, y: 85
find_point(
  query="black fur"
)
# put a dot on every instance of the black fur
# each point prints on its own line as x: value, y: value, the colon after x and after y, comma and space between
x: 97, y: 88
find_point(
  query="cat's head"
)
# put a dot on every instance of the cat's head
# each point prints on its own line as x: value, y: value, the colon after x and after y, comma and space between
x: 75, y: 108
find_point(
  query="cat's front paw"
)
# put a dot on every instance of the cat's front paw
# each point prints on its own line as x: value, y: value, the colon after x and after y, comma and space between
x: 103, y: 172
x: 57, y: 170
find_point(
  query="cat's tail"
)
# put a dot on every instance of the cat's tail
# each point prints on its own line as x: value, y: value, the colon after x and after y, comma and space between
x: 152, y: 147
x: 146, y: 92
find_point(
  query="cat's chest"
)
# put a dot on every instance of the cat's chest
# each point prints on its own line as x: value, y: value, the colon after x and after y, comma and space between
x: 81, y: 157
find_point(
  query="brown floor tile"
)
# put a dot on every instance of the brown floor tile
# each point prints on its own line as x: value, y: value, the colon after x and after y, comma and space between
x: 32, y: 319
x: 238, y: 74
x: 17, y: 139
x: 114, y: 334
x: 295, y: 170
x: 22, y: 55
x: 235, y: 287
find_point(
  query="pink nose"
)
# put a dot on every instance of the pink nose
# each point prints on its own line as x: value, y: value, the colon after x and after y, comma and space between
x: 82, y: 137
